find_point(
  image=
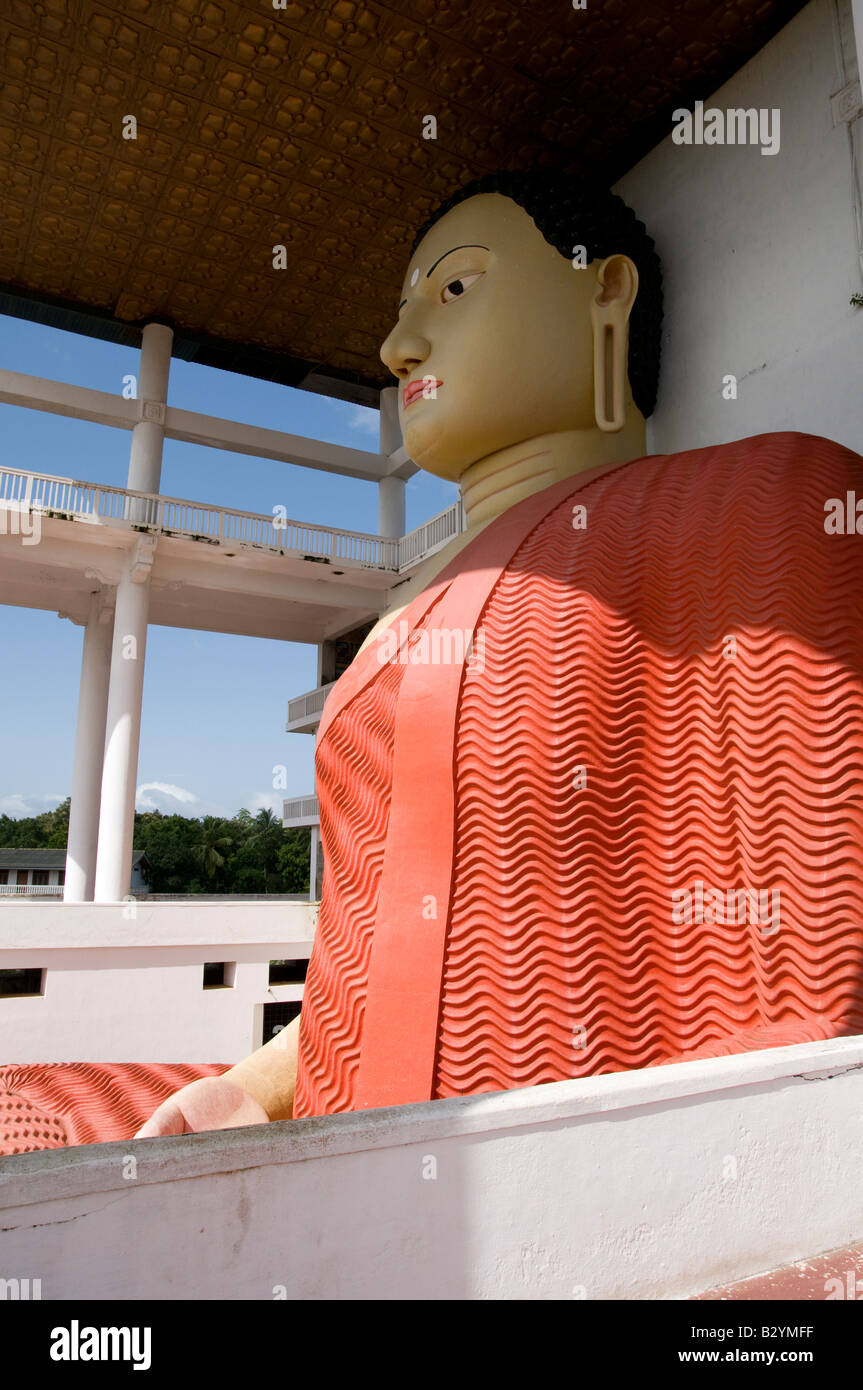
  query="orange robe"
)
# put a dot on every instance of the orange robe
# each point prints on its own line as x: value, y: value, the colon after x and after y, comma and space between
x: 629, y: 829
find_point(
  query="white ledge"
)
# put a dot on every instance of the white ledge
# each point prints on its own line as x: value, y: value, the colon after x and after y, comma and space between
x: 94, y: 1168
x: 53, y: 926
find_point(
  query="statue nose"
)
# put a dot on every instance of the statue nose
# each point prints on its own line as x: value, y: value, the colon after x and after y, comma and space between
x: 403, y: 352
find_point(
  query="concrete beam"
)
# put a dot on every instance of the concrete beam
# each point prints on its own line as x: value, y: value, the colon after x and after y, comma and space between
x: 237, y: 438
x: 61, y: 398
x: 105, y: 408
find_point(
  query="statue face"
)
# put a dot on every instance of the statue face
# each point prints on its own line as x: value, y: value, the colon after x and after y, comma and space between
x: 499, y: 321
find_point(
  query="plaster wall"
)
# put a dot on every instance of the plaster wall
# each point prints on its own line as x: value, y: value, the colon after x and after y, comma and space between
x: 653, y: 1184
x: 760, y: 253
x: 123, y: 982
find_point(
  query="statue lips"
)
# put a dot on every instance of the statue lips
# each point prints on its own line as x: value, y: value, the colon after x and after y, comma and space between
x: 414, y: 391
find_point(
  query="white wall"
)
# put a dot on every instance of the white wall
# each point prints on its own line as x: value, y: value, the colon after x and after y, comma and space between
x: 124, y: 981
x: 760, y: 257
x: 651, y: 1184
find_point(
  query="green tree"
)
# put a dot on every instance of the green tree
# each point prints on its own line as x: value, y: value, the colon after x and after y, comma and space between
x: 245, y: 854
x: 292, y: 861
x: 208, y: 853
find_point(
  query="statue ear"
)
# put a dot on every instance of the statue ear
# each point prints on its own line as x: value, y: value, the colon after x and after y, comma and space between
x: 614, y: 296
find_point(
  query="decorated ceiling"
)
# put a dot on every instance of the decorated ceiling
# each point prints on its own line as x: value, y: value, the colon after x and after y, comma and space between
x: 153, y: 153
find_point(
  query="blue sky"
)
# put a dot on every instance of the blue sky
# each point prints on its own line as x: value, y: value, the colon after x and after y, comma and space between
x: 214, y: 705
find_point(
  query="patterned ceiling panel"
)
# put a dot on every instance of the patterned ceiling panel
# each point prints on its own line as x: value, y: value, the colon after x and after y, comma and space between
x: 302, y: 126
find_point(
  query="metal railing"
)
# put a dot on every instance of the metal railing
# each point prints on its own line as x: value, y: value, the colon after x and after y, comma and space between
x: 301, y: 808
x: 31, y: 890
x: 98, y: 504
x: 429, y: 537
x: 302, y: 706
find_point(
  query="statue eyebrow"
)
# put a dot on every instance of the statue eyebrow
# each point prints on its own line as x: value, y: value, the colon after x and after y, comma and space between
x: 465, y: 246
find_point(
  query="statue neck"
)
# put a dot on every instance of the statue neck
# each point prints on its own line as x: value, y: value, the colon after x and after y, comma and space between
x: 497, y: 482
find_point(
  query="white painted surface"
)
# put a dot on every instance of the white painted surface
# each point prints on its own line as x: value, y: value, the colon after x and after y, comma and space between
x: 760, y: 260
x: 148, y: 434
x: 124, y: 981
x: 89, y: 747
x: 391, y: 508
x: 613, y: 1187
x: 122, y: 737
x: 105, y: 408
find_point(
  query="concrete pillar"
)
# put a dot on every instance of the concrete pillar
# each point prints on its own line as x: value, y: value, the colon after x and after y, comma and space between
x: 391, y: 491
x: 390, y: 429
x: 126, y: 687
x: 857, y: 17
x: 145, y: 458
x: 122, y: 734
x: 391, y: 508
x: 89, y: 748
x: 316, y: 865
x: 148, y: 435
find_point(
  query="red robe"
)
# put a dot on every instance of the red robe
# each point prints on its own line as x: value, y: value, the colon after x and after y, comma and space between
x: 629, y: 829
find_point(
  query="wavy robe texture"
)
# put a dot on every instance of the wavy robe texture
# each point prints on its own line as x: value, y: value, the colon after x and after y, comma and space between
x: 696, y: 649
x: 50, y: 1105
x: 353, y: 767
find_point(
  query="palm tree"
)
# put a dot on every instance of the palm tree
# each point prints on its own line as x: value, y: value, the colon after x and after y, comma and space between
x: 265, y: 821
x: 207, y: 853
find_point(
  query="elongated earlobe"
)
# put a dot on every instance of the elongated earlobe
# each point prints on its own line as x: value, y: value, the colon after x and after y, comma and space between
x: 609, y: 316
x: 609, y: 372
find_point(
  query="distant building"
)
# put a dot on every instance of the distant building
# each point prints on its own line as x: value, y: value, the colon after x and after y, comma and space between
x: 41, y: 873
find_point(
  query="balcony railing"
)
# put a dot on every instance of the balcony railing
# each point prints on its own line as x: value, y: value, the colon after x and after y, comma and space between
x: 304, y: 711
x: 31, y: 890
x: 426, y: 539
x: 303, y: 810
x: 98, y: 504
x: 310, y: 704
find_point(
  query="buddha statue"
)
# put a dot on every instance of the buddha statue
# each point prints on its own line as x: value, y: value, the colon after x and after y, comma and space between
x: 619, y: 823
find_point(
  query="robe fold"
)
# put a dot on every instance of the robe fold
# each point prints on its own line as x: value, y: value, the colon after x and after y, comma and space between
x: 595, y: 801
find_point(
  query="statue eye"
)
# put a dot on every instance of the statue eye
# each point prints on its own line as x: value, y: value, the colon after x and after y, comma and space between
x: 453, y: 289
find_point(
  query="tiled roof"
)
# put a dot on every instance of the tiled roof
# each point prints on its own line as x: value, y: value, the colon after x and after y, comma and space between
x: 303, y: 127
x: 45, y: 858
x: 49, y: 1106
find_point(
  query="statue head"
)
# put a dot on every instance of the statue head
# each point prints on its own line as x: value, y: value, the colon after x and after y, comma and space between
x: 531, y: 305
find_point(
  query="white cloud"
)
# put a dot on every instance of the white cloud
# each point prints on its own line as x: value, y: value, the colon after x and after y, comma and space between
x: 18, y: 805
x: 365, y: 420
x: 147, y: 803
x: 15, y: 805
x: 266, y: 801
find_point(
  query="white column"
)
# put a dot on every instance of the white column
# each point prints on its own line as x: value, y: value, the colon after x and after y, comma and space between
x: 316, y: 865
x: 145, y: 459
x: 89, y: 748
x: 391, y: 508
x: 126, y: 687
x: 857, y: 17
x: 122, y: 732
x: 391, y: 491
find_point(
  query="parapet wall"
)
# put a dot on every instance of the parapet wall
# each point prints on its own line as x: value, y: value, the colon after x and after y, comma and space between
x: 123, y: 982
x: 651, y: 1184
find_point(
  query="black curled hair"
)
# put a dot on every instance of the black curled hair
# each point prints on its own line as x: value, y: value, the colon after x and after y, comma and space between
x: 571, y: 211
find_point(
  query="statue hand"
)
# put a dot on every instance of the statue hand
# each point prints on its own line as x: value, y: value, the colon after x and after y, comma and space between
x: 210, y: 1103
